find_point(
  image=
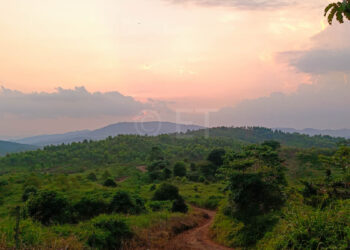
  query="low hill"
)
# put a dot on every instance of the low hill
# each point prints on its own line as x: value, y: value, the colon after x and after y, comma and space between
x: 311, y: 131
x: 261, y: 134
x: 124, y: 128
x: 134, y: 149
x: 11, y: 147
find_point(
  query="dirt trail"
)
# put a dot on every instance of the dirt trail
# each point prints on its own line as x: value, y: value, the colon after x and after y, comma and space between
x: 143, y: 169
x: 121, y: 179
x: 198, y: 238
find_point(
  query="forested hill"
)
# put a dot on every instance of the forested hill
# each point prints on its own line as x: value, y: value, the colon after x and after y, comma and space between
x: 125, y: 149
x: 11, y: 147
x: 260, y: 134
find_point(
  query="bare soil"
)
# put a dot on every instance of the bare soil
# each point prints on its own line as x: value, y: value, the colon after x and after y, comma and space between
x: 198, y: 237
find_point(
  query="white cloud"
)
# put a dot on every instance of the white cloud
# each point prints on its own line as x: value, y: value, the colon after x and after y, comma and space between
x: 330, y: 52
x: 322, y: 105
x: 72, y: 103
x: 244, y: 4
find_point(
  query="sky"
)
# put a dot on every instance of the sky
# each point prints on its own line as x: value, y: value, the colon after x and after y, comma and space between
x: 82, y: 64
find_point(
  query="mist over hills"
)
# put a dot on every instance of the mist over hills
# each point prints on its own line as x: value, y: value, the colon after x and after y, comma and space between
x: 123, y: 128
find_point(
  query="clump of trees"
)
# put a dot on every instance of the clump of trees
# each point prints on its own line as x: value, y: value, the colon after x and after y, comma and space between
x: 170, y: 192
x: 256, y: 183
x: 52, y: 207
x: 109, y: 233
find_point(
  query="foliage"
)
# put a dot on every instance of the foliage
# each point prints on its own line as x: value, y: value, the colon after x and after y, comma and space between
x: 109, y: 183
x: 91, y: 177
x: 180, y: 169
x: 109, y: 233
x: 48, y: 207
x: 179, y: 205
x: 338, y: 10
x: 89, y: 206
x: 166, y: 192
x: 216, y: 157
x: 122, y: 202
x: 29, y: 190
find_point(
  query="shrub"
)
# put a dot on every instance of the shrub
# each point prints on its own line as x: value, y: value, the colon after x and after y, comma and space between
x: 30, y: 190
x: 122, y: 202
x: 153, y: 187
x: 159, y: 205
x: 49, y: 207
x: 217, y: 156
x: 92, y: 177
x: 166, y: 173
x: 166, y: 192
x: 90, y: 206
x: 106, y: 174
x: 180, y: 169
x: 208, y: 169
x: 212, y: 202
x: 109, y: 183
x: 109, y: 233
x: 179, y: 205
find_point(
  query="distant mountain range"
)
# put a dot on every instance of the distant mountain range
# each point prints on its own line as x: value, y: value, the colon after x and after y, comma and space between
x: 144, y: 128
x: 12, y: 147
x: 310, y: 131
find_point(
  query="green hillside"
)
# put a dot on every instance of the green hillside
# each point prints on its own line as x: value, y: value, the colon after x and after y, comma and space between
x: 133, y: 149
x: 11, y: 147
x: 260, y: 134
x: 141, y: 192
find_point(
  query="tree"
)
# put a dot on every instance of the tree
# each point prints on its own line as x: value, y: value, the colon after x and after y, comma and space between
x: 180, y: 169
x: 122, y: 202
x: 106, y: 174
x: 179, y: 205
x: 338, y: 10
x: 109, y: 183
x: 28, y: 191
x: 156, y: 154
x: 217, y: 156
x: 255, y: 180
x: 48, y: 207
x: 109, y: 233
x: 166, y: 192
x: 275, y: 145
x: 208, y: 169
x: 92, y: 177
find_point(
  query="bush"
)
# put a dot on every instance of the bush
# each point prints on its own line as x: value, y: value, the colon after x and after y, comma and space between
x: 166, y: 173
x: 159, y: 205
x: 109, y: 233
x: 122, y: 202
x: 30, y: 190
x: 92, y: 177
x: 49, y: 207
x: 166, y: 192
x: 217, y: 156
x: 212, y: 202
x: 109, y: 183
x: 89, y: 207
x: 208, y: 169
x: 180, y: 169
x: 179, y: 205
x: 153, y: 187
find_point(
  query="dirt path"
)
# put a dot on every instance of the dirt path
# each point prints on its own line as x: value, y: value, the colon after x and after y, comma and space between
x: 198, y: 238
x: 121, y: 179
x: 143, y: 169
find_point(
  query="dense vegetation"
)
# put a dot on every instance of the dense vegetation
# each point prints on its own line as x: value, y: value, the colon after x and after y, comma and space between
x: 272, y: 191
